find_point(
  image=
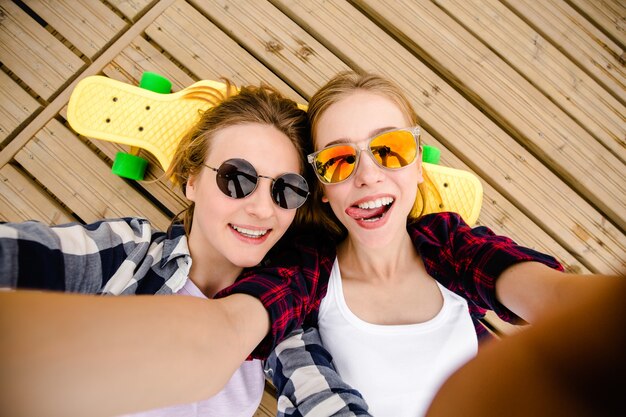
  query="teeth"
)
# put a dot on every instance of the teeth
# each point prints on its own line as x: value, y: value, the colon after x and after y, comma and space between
x: 249, y: 232
x: 379, y: 202
x: 373, y: 219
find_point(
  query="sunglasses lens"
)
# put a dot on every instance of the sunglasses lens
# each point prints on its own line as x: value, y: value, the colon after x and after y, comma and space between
x: 236, y: 178
x: 395, y: 149
x: 290, y: 191
x: 336, y: 163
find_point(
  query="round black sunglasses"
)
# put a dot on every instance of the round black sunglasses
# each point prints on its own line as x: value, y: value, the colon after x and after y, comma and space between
x: 237, y: 178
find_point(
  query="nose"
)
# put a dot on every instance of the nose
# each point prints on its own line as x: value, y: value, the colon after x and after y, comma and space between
x: 260, y: 203
x: 367, y: 170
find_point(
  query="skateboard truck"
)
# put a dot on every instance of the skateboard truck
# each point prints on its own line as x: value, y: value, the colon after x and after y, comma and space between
x: 131, y: 165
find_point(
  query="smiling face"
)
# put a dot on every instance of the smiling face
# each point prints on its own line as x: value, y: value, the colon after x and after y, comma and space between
x: 240, y: 232
x: 373, y: 204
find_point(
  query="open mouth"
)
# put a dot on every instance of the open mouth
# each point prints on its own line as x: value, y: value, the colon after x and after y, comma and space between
x: 249, y: 233
x: 370, y: 211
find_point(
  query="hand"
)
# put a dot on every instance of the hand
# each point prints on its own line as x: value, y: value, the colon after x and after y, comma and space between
x: 288, y: 284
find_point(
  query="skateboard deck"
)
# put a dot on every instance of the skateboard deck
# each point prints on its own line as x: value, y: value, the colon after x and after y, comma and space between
x: 454, y: 190
x: 111, y: 110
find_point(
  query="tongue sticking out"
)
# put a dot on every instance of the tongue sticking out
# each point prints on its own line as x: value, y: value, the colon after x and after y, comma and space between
x: 359, y: 213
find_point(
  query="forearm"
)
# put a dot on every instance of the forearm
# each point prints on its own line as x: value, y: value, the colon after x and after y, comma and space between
x: 63, y: 354
x: 529, y: 288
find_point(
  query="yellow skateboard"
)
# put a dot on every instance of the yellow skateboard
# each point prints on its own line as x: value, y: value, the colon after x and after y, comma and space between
x: 150, y: 117
x: 111, y: 110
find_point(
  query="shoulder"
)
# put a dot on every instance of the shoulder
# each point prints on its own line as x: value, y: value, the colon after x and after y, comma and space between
x: 443, y: 225
x: 436, y: 228
x: 127, y: 230
x: 71, y: 236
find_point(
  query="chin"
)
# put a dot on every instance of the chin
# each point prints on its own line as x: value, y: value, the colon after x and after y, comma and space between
x: 377, y: 239
x: 248, y: 261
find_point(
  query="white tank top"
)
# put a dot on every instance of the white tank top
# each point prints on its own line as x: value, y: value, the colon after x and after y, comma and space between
x: 397, y: 368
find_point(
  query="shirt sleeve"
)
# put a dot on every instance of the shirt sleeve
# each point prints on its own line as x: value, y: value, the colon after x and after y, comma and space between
x: 288, y: 286
x: 306, y: 381
x: 69, y: 258
x: 470, y: 260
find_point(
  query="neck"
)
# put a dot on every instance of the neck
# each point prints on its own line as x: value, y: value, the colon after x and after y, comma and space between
x: 377, y: 263
x: 210, y: 271
x: 209, y: 277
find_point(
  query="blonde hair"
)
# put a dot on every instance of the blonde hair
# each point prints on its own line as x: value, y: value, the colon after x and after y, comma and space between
x: 250, y: 104
x: 342, y: 85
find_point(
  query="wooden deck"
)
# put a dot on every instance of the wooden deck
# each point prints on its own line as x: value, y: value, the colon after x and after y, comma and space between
x: 530, y: 95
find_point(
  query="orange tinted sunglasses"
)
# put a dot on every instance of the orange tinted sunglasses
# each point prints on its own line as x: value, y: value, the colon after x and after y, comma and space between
x: 393, y: 149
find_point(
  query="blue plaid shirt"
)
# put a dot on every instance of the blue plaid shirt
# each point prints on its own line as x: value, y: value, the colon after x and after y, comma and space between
x: 115, y: 256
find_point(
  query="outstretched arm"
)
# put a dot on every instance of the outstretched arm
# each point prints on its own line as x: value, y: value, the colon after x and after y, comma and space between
x: 529, y: 288
x: 72, y: 351
x: 77, y: 355
x: 493, y: 271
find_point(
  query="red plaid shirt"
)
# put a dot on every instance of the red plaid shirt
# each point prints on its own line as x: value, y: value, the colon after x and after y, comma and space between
x: 465, y: 260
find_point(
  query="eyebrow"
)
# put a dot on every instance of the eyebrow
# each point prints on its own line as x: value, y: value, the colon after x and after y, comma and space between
x: 373, y: 133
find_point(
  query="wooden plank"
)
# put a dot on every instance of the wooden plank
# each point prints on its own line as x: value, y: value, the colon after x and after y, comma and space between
x: 207, y: 51
x: 61, y: 100
x: 21, y: 199
x: 33, y: 54
x: 269, y: 404
x: 564, y: 146
x: 16, y: 106
x: 467, y: 132
x: 548, y: 69
x: 271, y: 37
x: 132, y: 9
x: 610, y: 15
x: 89, y: 26
x: 499, y: 327
x: 583, y: 43
x: 141, y: 56
x: 81, y: 180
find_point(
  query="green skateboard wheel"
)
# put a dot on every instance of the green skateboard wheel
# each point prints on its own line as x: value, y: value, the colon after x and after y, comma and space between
x: 155, y: 82
x: 129, y: 166
x: 430, y: 154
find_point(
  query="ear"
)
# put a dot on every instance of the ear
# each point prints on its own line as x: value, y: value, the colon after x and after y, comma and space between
x: 420, y: 171
x: 324, y: 199
x: 190, y: 188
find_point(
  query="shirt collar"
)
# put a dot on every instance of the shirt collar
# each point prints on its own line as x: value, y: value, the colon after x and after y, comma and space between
x: 175, y: 244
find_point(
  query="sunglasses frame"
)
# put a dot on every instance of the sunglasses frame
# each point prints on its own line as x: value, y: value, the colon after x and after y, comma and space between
x: 414, y: 130
x: 256, y: 184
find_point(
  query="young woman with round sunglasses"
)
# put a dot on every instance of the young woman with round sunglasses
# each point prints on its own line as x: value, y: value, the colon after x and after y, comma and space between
x: 404, y: 294
x: 240, y: 167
